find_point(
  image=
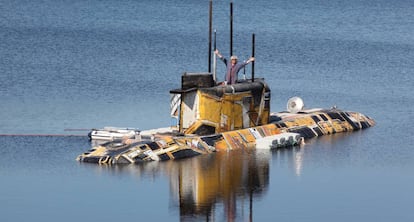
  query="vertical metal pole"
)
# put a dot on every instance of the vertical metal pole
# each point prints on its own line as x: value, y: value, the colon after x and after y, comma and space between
x: 214, y: 58
x: 253, y: 46
x: 215, y: 38
x: 210, y: 34
x: 231, y: 28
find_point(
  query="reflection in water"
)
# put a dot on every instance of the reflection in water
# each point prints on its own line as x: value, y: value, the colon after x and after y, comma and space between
x: 219, y: 186
x: 292, y: 158
x: 298, y: 161
x: 229, y: 178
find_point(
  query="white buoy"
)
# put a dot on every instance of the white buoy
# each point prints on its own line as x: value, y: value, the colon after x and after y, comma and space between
x: 295, y: 104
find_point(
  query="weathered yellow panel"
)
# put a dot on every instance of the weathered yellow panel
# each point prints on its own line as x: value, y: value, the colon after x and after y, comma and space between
x: 210, y: 108
x: 326, y: 126
x: 305, y: 121
x: 193, y: 128
x: 221, y: 145
x: 291, y: 123
x: 226, y: 122
x: 270, y: 129
x: 247, y: 136
x: 232, y: 109
x: 338, y: 126
x: 234, y: 140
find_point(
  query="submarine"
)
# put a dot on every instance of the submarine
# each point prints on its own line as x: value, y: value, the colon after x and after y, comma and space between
x: 215, y: 117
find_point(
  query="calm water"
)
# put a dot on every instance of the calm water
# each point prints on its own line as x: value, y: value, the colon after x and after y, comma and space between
x: 84, y: 64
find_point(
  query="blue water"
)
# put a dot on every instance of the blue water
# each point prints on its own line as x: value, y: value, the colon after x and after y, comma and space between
x: 88, y: 64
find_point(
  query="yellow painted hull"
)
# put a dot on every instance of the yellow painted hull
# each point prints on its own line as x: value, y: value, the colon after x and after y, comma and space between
x: 308, y: 124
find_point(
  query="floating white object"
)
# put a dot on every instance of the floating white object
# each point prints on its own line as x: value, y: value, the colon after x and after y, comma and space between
x: 113, y: 133
x: 295, y: 104
x: 279, y: 140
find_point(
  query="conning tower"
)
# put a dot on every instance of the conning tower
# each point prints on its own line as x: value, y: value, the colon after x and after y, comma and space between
x: 204, y: 108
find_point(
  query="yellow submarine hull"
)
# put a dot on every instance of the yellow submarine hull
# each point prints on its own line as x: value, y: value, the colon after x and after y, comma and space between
x: 307, y: 123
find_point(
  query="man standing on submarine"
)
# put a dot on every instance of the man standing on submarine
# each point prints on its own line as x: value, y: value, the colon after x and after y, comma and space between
x: 233, y: 68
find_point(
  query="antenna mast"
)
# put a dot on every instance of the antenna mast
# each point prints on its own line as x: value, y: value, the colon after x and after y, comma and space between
x: 231, y: 28
x: 253, y: 47
x: 210, y: 34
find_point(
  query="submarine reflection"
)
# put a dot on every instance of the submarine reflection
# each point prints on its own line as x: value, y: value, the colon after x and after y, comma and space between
x: 230, y: 178
x: 218, y: 186
x: 226, y: 184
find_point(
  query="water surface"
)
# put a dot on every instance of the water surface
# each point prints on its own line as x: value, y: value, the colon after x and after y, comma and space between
x: 90, y: 64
